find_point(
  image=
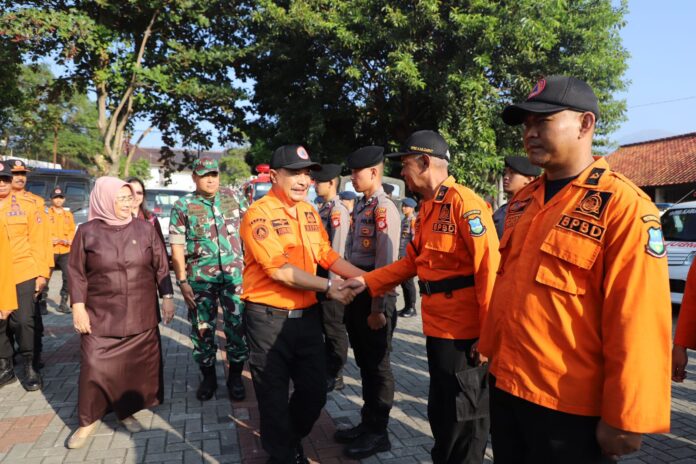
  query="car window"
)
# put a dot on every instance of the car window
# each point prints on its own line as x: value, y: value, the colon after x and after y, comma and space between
x: 260, y: 189
x: 75, y: 189
x: 161, y: 202
x: 679, y: 224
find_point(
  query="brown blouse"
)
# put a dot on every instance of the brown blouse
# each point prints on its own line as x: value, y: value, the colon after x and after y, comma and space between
x: 116, y: 271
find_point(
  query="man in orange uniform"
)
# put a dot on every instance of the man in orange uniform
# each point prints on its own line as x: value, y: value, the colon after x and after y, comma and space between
x: 8, y: 295
x: 23, y: 222
x: 454, y: 252
x: 578, y: 331
x: 62, y: 226
x: 284, y: 240
x: 685, y: 336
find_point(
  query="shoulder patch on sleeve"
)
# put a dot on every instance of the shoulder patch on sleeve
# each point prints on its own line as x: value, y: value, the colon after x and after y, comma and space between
x: 260, y: 232
x: 656, y: 244
x: 594, y: 176
x: 651, y: 218
x: 336, y: 218
x: 476, y: 227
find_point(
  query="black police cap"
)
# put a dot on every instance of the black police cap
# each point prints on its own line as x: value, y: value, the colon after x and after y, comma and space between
x: 551, y: 94
x: 365, y: 157
x: 426, y: 142
x: 522, y: 165
x: 5, y: 169
x: 327, y: 172
x: 292, y: 157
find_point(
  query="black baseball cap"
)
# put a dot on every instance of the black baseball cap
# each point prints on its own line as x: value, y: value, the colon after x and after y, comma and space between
x: 5, y: 169
x: 292, y: 157
x: 365, y: 157
x: 18, y: 165
x: 522, y: 165
x: 425, y: 142
x: 552, y: 94
x: 57, y: 192
x: 327, y: 172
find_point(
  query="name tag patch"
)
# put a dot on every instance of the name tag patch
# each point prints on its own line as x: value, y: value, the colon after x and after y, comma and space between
x: 582, y: 227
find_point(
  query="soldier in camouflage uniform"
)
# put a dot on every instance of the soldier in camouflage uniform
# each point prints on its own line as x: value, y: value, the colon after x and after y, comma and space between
x: 336, y: 219
x: 208, y: 260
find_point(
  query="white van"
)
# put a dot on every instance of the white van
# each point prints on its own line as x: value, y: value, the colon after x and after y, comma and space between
x: 679, y: 229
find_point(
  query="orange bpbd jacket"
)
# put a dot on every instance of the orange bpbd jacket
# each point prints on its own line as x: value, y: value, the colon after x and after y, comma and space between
x: 580, y: 319
x: 47, y: 245
x: 686, y: 326
x: 62, y: 226
x: 272, y: 238
x: 27, y: 239
x: 454, y: 236
x: 8, y: 295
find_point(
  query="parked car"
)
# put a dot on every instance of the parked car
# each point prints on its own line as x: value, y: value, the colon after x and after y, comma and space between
x: 679, y: 229
x: 76, y: 184
x: 160, y: 202
x: 662, y: 207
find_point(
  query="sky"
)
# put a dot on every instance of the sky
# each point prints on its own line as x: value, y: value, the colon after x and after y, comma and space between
x: 660, y: 37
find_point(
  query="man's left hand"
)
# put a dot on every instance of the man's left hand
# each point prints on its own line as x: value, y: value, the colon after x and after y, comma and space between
x: 616, y: 442
x: 376, y: 321
x: 476, y: 356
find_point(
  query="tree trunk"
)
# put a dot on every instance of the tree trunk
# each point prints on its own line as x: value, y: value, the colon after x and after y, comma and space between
x: 55, y: 145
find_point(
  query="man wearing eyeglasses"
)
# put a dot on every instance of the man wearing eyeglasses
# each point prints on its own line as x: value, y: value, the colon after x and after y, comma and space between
x: 207, y: 259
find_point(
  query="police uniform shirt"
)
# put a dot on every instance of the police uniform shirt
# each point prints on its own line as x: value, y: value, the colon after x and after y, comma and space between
x: 336, y: 219
x: 374, y: 236
x: 407, y: 227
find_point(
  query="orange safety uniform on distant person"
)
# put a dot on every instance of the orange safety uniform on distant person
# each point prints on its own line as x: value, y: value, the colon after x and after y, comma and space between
x: 45, y: 226
x: 686, y: 326
x: 454, y: 236
x: 27, y: 240
x: 272, y: 238
x: 62, y: 227
x: 580, y: 319
x: 8, y: 293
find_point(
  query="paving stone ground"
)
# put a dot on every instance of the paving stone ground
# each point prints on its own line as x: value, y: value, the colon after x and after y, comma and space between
x: 34, y: 426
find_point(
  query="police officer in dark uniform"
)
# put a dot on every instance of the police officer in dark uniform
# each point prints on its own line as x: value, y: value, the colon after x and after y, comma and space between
x: 518, y: 173
x: 373, y: 242
x: 336, y: 219
x: 408, y: 223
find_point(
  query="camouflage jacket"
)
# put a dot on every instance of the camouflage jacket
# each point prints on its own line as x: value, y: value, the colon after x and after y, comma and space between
x: 209, y: 229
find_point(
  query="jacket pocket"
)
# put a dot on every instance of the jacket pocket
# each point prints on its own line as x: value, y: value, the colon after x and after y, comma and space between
x: 566, y: 261
x: 440, y: 253
x: 472, y: 400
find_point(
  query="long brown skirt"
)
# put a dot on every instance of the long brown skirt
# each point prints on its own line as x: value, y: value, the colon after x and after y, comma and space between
x: 123, y: 375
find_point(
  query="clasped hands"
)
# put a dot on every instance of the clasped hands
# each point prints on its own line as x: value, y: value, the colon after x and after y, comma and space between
x: 344, y: 291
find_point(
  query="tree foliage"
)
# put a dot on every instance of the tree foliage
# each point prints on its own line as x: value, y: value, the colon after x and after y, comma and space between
x: 233, y: 167
x: 337, y: 74
x: 165, y: 61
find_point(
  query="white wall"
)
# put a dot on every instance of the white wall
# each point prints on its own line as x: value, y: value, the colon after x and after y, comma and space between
x: 179, y: 180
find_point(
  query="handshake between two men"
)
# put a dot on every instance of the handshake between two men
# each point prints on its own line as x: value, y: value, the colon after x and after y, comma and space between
x: 344, y: 291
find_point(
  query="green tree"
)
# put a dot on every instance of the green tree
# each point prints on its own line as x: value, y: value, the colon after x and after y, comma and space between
x: 233, y: 167
x: 337, y: 74
x: 166, y: 61
x: 139, y: 169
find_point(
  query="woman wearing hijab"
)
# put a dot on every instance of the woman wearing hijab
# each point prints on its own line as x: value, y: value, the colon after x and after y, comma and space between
x: 117, y: 266
x: 138, y: 208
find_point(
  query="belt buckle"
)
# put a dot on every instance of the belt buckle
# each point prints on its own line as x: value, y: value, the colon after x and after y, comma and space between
x: 295, y: 314
x: 426, y: 284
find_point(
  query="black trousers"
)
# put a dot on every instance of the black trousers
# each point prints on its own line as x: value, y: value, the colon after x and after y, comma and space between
x: 61, y: 262
x: 20, y: 323
x: 283, y: 349
x: 409, y: 288
x: 525, y: 433
x: 335, y: 336
x: 372, y: 355
x: 457, y: 402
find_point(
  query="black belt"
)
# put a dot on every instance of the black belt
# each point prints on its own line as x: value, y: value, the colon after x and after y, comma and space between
x: 445, y: 285
x: 273, y: 311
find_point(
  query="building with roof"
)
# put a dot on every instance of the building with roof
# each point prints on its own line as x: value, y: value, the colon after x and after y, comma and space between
x: 180, y: 180
x: 664, y: 168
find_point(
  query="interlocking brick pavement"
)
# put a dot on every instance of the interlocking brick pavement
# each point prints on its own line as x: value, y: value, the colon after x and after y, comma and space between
x: 34, y: 426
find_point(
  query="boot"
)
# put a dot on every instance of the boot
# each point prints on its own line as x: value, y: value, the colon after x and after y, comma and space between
x: 64, y: 307
x: 32, y: 379
x: 7, y: 375
x: 235, y: 385
x: 407, y: 312
x: 208, y: 385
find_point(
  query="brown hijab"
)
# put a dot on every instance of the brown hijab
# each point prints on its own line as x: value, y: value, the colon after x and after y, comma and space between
x: 102, y: 199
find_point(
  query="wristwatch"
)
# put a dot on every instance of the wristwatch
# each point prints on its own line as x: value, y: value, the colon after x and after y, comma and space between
x: 181, y: 282
x: 328, y: 285
x: 167, y: 297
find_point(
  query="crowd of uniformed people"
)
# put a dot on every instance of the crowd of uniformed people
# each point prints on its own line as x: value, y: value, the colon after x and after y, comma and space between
x: 547, y: 324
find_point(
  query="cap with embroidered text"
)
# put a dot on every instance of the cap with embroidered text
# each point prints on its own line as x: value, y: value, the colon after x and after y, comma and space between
x: 292, y: 157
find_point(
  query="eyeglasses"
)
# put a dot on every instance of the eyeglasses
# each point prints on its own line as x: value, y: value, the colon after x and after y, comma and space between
x: 127, y: 199
x: 140, y: 194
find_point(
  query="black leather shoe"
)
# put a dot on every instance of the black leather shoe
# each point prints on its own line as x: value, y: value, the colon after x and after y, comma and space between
x: 367, y: 445
x: 407, y: 312
x: 64, y: 309
x: 32, y: 379
x: 300, y: 457
x: 351, y: 434
x: 235, y: 386
x: 7, y: 375
x: 338, y: 383
x: 208, y: 385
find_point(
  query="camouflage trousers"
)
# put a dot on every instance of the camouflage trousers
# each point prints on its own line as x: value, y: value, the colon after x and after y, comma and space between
x: 204, y: 322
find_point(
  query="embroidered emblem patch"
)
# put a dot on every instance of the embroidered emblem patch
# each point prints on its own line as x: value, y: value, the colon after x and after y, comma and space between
x: 446, y: 228
x: 656, y: 243
x: 302, y: 153
x: 518, y: 206
x: 260, y: 232
x: 651, y: 218
x: 593, y: 203
x: 538, y: 88
x: 476, y: 227
x: 441, y: 193
x: 595, y: 175
x: 310, y: 217
x: 471, y: 213
x: 582, y: 227
x: 444, y: 212
x: 366, y: 243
